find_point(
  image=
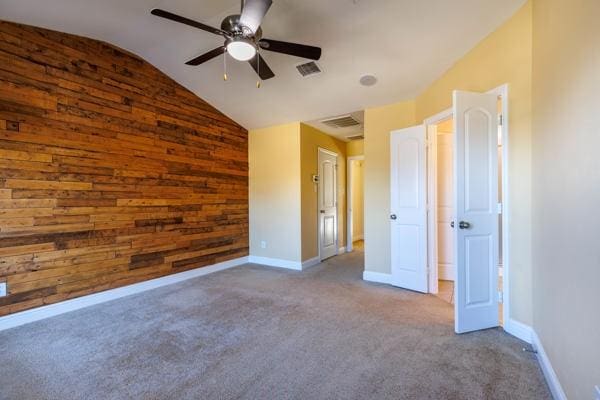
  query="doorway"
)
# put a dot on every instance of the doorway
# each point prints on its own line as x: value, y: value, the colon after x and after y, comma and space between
x: 448, y: 210
x: 327, y: 209
x: 355, y: 201
x: 443, y: 277
x: 443, y: 202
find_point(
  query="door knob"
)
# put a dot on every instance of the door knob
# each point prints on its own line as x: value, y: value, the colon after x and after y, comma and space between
x: 393, y: 216
x: 452, y: 224
x: 464, y: 225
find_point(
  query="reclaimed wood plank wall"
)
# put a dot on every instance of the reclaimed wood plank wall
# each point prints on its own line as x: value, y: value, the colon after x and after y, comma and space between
x: 111, y: 173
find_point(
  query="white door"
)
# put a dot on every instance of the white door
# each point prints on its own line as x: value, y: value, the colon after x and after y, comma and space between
x: 327, y: 204
x: 408, y: 208
x: 476, y: 202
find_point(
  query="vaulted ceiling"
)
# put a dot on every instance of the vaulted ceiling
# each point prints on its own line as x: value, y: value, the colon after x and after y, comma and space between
x: 406, y: 44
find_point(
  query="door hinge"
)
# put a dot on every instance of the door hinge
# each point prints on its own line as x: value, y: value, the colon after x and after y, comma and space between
x: 500, y: 296
x: 499, y: 208
x: 500, y: 119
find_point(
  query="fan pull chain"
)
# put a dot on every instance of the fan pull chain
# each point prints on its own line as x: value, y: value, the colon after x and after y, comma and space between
x: 225, y: 65
x: 258, y: 70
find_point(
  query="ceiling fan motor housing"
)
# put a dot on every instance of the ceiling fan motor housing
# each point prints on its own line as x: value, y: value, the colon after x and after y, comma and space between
x: 232, y: 25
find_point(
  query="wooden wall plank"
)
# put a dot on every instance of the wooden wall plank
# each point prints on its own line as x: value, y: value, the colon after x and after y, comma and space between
x: 110, y: 172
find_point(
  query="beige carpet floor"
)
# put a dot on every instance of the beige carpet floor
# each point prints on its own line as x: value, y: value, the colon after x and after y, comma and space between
x: 254, y: 332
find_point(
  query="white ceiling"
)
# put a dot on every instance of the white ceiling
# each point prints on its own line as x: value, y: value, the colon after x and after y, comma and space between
x: 407, y: 44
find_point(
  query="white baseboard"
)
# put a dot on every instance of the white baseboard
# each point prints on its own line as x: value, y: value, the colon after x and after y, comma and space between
x: 519, y: 329
x: 276, y: 262
x: 446, y: 272
x: 51, y: 310
x: 377, y: 277
x: 555, y: 387
x: 310, y: 262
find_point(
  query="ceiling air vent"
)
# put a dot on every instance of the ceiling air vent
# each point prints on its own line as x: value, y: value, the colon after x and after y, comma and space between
x: 355, y: 137
x: 309, y: 68
x: 345, y: 121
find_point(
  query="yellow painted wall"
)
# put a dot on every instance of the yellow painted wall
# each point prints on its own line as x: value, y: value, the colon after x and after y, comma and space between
x: 274, y: 190
x: 566, y: 190
x: 310, y: 141
x: 379, y: 122
x: 355, y: 148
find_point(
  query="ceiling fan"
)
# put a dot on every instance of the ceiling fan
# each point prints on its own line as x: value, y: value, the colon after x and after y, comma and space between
x: 243, y: 38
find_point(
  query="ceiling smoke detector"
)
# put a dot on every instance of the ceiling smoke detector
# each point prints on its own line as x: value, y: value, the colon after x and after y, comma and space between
x: 368, y: 80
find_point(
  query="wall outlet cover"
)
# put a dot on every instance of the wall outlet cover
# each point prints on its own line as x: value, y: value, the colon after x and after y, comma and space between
x: 2, y: 289
x: 263, y: 245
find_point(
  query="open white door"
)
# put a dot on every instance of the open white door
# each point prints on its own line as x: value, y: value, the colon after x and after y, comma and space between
x: 327, y: 204
x: 408, y: 217
x: 476, y: 202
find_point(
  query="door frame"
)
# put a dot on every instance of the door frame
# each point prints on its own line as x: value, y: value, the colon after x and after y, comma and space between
x: 350, y: 170
x: 337, y: 222
x: 502, y: 92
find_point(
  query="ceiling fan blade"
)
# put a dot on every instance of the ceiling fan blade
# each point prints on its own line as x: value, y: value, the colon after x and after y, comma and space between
x: 206, y: 56
x: 183, y: 20
x: 261, y: 67
x: 293, y: 49
x: 253, y: 13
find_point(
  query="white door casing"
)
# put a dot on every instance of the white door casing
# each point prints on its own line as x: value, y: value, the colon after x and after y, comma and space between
x: 327, y: 207
x: 476, y: 219
x: 408, y: 208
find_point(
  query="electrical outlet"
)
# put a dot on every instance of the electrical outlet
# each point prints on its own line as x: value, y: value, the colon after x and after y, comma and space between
x: 2, y: 289
x: 263, y: 245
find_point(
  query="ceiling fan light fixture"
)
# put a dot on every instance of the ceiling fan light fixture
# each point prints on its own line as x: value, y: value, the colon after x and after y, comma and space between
x: 241, y: 49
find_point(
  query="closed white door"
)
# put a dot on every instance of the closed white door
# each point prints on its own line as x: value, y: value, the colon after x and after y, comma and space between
x: 408, y: 208
x: 445, y: 206
x: 327, y: 204
x: 476, y: 202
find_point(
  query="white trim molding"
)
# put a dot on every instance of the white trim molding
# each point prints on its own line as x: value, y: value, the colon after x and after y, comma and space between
x: 51, y: 310
x: 377, y: 277
x: 518, y: 329
x: 276, y: 262
x: 310, y: 262
x: 551, y: 378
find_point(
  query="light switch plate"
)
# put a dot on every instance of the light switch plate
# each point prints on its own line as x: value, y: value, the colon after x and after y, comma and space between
x: 2, y: 289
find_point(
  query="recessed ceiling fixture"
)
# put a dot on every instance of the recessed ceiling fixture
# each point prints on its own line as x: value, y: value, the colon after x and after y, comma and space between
x: 243, y: 38
x: 368, y: 80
